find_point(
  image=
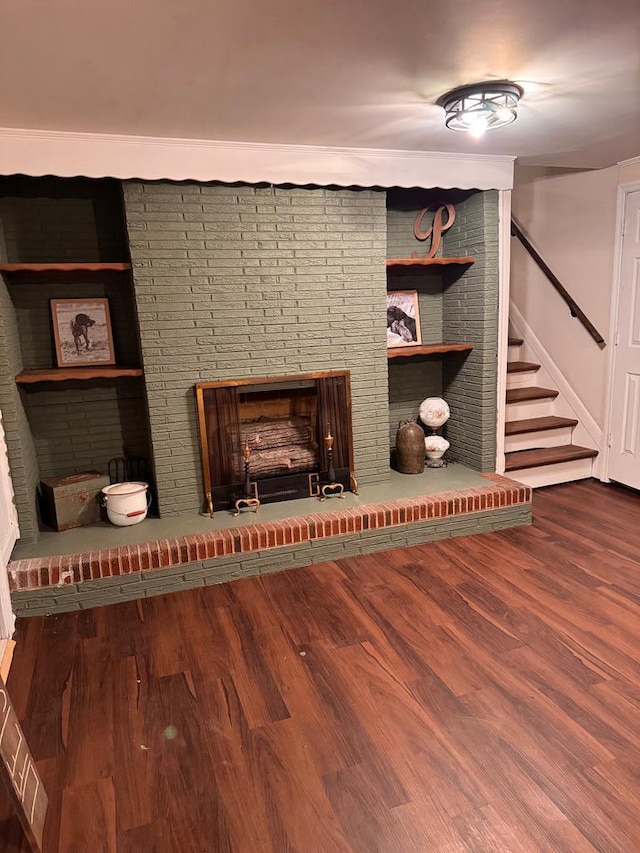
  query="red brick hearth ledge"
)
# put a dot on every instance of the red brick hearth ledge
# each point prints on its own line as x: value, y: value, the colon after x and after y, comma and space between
x: 167, y: 553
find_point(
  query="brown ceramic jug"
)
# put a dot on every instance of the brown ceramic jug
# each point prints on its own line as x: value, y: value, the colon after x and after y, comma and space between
x: 410, y: 448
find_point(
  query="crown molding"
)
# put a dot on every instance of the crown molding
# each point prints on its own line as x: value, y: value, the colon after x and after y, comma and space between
x: 95, y: 155
x: 630, y: 162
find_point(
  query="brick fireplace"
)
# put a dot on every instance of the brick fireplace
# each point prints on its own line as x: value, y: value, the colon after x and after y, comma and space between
x: 235, y: 282
x: 267, y: 438
x: 232, y: 284
x: 239, y: 282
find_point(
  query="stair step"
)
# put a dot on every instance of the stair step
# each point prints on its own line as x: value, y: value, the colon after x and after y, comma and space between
x: 521, y: 395
x: 522, y: 367
x: 546, y: 456
x: 537, y: 424
x: 515, y: 342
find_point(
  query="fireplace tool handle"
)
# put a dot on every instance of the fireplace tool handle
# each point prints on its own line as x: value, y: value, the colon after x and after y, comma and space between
x: 249, y: 499
x: 330, y: 488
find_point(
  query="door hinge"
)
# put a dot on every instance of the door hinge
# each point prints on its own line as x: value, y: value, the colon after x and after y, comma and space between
x: 616, y: 338
x: 609, y: 439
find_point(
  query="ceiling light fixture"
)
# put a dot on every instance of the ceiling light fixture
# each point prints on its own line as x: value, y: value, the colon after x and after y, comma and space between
x: 481, y: 107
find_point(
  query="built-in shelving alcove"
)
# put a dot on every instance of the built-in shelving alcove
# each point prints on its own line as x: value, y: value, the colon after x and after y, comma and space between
x: 457, y: 298
x: 65, y: 239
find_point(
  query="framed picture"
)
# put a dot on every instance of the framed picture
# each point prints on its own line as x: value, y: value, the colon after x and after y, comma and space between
x: 403, y: 319
x: 82, y: 332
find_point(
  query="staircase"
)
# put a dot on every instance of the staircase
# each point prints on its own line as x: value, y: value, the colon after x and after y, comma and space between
x: 539, y: 431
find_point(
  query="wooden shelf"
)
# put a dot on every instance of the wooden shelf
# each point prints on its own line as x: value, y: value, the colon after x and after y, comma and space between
x: 427, y: 349
x: 65, y: 374
x: 65, y: 267
x: 425, y: 262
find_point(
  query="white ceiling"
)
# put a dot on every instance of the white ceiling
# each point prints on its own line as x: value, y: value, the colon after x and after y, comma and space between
x: 352, y: 73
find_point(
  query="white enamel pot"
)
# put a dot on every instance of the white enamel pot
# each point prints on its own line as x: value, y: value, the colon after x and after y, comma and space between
x: 126, y: 503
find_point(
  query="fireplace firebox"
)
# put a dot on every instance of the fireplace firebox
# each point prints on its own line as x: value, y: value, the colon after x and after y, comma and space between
x: 283, y: 421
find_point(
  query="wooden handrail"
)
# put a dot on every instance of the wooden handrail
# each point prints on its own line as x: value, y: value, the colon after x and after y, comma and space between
x: 574, y: 308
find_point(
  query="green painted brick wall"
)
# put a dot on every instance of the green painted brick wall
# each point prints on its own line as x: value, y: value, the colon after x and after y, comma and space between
x: 240, y: 281
x: 59, y: 429
x: 20, y: 448
x: 49, y: 230
x: 80, y: 427
x: 61, y: 219
x: 128, y: 587
x: 31, y: 299
x: 404, y: 206
x: 456, y: 304
x: 470, y: 310
x: 104, y: 420
x: 3, y: 244
x: 411, y: 381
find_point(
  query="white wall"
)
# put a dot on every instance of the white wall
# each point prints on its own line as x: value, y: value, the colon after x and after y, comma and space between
x: 570, y: 218
x: 8, y: 536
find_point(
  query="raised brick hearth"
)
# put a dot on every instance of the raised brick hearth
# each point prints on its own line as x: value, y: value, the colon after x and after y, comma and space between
x: 49, y: 584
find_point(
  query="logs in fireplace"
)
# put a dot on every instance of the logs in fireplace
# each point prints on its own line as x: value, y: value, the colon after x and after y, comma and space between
x: 280, y: 445
x: 283, y: 421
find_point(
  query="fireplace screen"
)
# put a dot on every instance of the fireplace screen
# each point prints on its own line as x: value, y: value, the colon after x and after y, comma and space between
x: 283, y: 422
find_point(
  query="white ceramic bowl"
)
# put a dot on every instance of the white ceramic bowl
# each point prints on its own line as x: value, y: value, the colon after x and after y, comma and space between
x: 126, y: 503
x: 435, y: 446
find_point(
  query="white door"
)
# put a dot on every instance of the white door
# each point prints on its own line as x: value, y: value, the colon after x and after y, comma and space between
x: 624, y: 454
x: 8, y: 536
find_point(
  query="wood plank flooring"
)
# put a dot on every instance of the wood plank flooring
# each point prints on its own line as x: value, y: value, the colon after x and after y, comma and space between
x: 480, y: 694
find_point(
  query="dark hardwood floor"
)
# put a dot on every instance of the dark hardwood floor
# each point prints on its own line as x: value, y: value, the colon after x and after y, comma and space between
x: 481, y: 694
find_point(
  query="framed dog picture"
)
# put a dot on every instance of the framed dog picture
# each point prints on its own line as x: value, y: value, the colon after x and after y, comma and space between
x: 403, y: 319
x: 82, y: 332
